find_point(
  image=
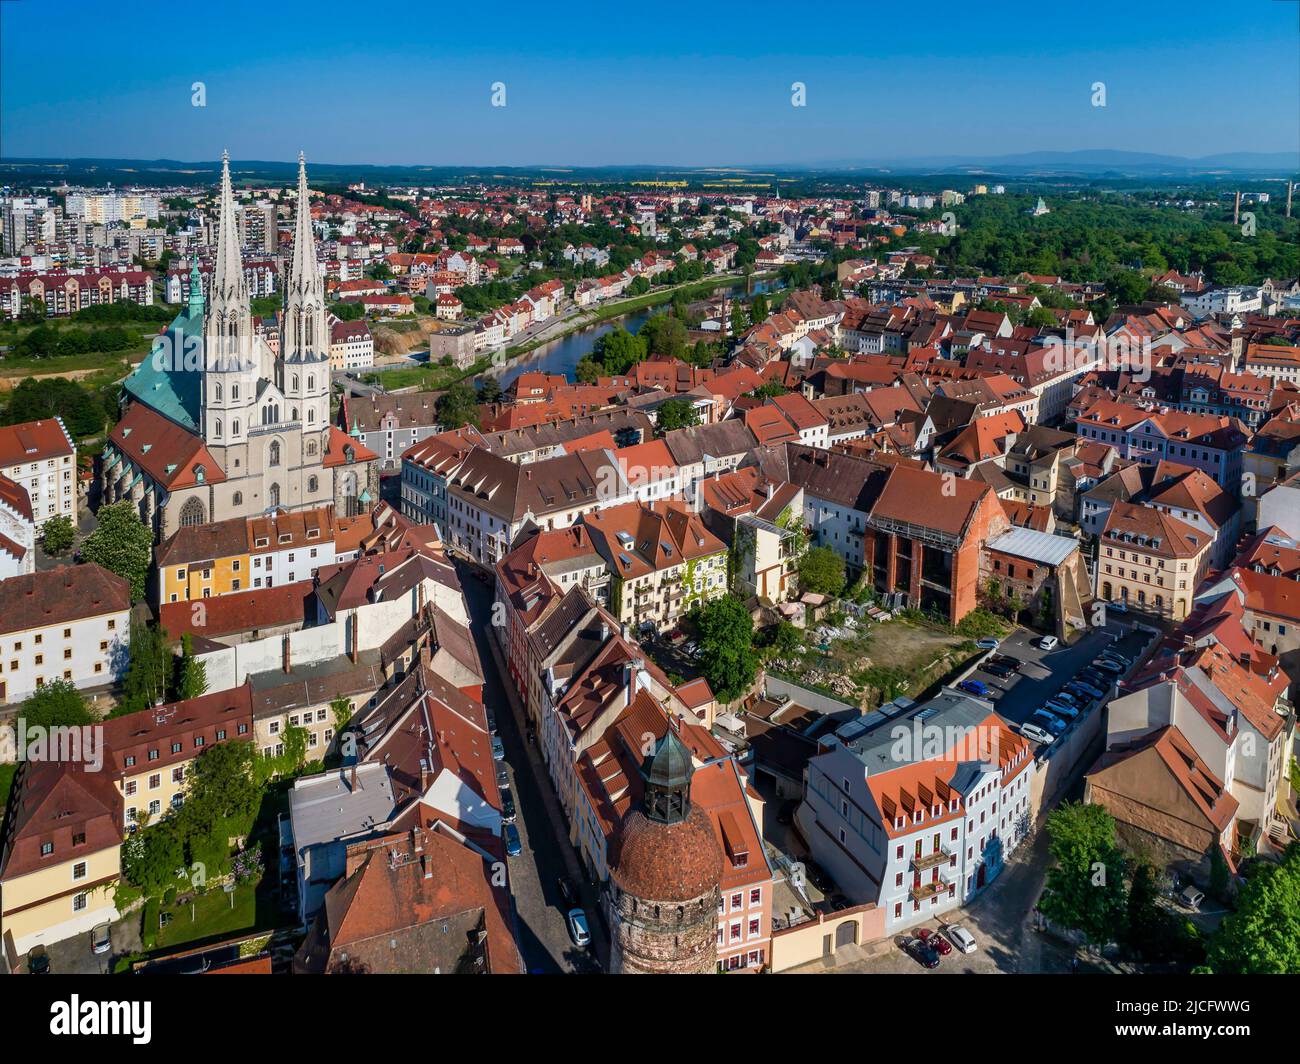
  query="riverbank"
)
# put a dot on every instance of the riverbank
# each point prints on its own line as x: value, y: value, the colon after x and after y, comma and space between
x: 574, y: 321
x: 623, y: 307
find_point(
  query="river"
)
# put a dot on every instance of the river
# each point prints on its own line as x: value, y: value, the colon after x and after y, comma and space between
x: 563, y: 355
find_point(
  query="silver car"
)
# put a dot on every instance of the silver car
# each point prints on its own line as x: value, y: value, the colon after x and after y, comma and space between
x: 1037, y: 734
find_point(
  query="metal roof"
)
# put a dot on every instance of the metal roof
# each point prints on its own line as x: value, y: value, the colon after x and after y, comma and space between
x: 1042, y: 547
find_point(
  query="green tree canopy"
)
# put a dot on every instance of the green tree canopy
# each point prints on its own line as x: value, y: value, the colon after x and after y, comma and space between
x: 1085, y: 886
x: 58, y: 534
x: 821, y: 570
x: 458, y: 406
x: 1263, y: 936
x: 121, y: 544
x: 56, y: 704
x: 727, y: 646
x: 677, y: 414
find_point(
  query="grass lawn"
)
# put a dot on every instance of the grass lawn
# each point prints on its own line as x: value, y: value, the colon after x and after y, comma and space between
x: 431, y: 378
x: 213, y: 916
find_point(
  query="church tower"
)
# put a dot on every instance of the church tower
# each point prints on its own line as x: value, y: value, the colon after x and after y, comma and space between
x: 303, y: 370
x: 664, y: 881
x: 230, y: 365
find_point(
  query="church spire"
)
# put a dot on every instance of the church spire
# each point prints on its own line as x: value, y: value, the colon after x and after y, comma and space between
x: 304, y: 274
x: 305, y: 335
x: 228, y: 283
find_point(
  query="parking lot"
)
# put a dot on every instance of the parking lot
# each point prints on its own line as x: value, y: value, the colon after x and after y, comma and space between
x: 1044, y: 673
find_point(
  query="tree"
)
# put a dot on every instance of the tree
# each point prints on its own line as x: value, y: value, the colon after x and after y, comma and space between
x: 1085, y: 886
x: 152, y: 856
x: 665, y: 334
x: 458, y: 406
x: 727, y: 646
x: 58, y: 534
x: 677, y: 414
x: 618, y: 351
x: 1263, y: 936
x: 786, y: 641
x: 489, y: 391
x: 1127, y: 286
x: 758, y: 309
x: 587, y: 371
x: 821, y: 570
x: 149, y: 671
x: 56, y: 704
x: 121, y: 544
x: 191, y: 674
x: 223, y: 788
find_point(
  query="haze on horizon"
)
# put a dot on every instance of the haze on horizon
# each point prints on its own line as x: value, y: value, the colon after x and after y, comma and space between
x: 688, y: 87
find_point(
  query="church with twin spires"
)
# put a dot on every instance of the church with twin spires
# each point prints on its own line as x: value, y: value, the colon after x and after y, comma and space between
x: 218, y: 425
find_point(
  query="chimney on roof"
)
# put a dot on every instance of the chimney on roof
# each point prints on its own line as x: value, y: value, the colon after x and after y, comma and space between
x: 353, y: 639
x: 286, y: 653
x: 426, y: 866
x: 353, y: 786
x: 426, y: 775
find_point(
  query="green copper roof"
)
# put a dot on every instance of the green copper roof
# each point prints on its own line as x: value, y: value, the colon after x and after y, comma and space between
x: 163, y: 382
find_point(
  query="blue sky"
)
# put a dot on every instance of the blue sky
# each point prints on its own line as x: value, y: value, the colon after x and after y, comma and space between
x: 664, y: 83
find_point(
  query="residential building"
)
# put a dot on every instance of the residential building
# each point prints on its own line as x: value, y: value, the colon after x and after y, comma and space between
x: 917, y: 812
x: 71, y: 623
x: 662, y: 561
x: 1151, y: 560
x: 40, y: 457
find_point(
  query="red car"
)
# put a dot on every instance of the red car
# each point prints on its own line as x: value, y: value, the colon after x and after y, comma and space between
x: 935, y: 940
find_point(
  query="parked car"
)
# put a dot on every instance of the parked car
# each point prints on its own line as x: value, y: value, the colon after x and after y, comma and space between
x: 961, y: 938
x: 1065, y: 696
x: 1045, y: 719
x: 974, y: 687
x: 1061, y: 709
x: 1119, y: 606
x: 987, y: 643
x: 1191, y: 897
x: 1082, y: 686
x: 935, y: 940
x: 503, y: 777
x: 578, y: 929
x: 100, y: 939
x: 1116, y: 657
x: 507, y: 805
x: 1095, y: 678
x: 38, y: 961
x: 498, y: 749
x: 1007, y: 661
x: 1000, y: 671
x: 513, y: 846
x: 1037, y: 734
x: 568, y: 892
x: 1048, y: 642
x: 925, y: 955
x: 1106, y: 665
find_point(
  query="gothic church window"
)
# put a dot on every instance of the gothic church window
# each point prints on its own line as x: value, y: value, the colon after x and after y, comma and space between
x: 192, y: 513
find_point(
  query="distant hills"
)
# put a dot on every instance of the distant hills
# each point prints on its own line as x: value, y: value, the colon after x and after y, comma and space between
x: 1092, y: 161
x: 1026, y: 167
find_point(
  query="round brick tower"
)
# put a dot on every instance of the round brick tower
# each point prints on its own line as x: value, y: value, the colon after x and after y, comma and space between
x: 664, y: 880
